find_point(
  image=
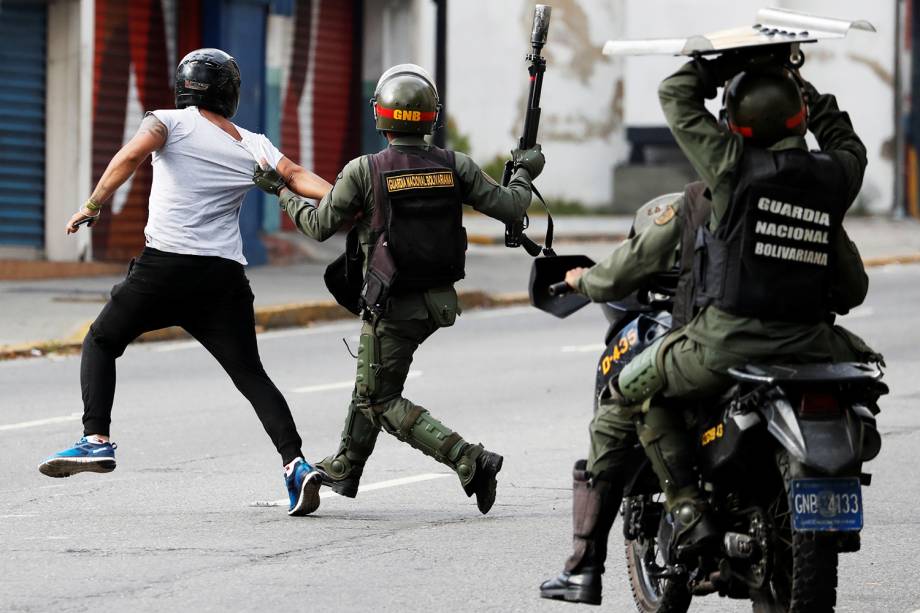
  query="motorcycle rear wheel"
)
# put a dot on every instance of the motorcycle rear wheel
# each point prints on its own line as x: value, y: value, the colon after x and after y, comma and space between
x: 651, y: 594
x: 803, y: 568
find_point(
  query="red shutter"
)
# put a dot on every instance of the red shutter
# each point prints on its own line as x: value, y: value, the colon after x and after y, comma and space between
x: 128, y: 36
x: 335, y: 76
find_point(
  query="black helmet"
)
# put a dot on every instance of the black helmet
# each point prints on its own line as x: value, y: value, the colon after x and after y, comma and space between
x: 765, y: 105
x: 406, y: 100
x: 209, y: 79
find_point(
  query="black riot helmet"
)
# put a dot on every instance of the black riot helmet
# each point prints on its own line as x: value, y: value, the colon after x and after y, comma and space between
x: 765, y: 105
x: 208, y: 79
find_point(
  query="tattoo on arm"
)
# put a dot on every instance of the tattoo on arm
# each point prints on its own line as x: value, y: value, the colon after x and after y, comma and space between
x: 126, y: 161
x: 153, y: 126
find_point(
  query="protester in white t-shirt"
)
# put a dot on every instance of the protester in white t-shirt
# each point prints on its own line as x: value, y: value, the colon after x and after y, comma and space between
x: 190, y: 273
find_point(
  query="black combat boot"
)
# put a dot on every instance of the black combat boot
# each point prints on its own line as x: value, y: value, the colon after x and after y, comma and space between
x: 594, y: 508
x: 483, y: 483
x: 342, y: 470
x: 346, y: 486
x: 694, y: 530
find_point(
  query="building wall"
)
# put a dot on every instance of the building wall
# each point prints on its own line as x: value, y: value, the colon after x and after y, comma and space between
x: 859, y: 70
x: 132, y: 68
x: 127, y: 68
x: 588, y: 100
x: 321, y: 87
x: 581, y: 125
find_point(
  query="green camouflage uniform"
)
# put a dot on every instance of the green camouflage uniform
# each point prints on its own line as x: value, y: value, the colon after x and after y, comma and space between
x: 409, y: 320
x: 693, y: 361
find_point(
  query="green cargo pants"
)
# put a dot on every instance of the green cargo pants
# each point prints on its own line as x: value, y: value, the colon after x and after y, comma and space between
x: 377, y: 401
x: 613, y: 435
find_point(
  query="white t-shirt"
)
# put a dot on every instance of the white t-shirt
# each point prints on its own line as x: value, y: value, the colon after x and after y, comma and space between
x: 200, y: 177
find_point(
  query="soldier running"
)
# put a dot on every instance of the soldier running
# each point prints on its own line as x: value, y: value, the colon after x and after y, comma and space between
x: 407, y: 203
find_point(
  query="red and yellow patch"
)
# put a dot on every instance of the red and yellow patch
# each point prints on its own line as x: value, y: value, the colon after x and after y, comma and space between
x: 406, y: 114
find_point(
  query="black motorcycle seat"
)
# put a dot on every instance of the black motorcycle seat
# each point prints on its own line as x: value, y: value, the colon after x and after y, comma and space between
x: 806, y: 373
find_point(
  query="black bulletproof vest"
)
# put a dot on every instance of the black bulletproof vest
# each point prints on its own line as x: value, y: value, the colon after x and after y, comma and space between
x: 771, y: 255
x: 693, y: 214
x: 417, y: 204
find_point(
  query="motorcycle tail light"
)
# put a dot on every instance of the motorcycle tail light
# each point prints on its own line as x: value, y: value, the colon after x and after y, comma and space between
x: 815, y: 404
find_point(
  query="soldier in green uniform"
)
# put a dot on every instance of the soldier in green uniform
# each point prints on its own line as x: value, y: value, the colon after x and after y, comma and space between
x: 663, y: 236
x: 406, y: 202
x: 769, y: 263
x: 653, y: 247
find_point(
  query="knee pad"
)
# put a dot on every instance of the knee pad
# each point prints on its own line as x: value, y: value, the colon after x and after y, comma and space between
x: 642, y: 377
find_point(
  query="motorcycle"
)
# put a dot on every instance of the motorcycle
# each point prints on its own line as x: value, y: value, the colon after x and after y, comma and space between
x: 780, y: 458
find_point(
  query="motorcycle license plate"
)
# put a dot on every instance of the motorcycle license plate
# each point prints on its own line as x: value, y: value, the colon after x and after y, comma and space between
x: 831, y: 505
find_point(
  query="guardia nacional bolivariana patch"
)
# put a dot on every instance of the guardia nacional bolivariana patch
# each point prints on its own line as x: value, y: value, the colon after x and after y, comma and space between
x: 420, y: 180
x: 666, y: 215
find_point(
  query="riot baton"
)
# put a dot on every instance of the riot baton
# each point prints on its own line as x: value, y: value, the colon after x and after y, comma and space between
x: 514, y: 232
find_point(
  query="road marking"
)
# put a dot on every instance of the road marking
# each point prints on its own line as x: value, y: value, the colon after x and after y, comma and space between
x: 583, y: 348
x: 41, y: 422
x: 364, y: 488
x: 325, y: 387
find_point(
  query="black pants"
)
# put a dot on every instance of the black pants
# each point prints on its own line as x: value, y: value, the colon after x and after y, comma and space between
x: 210, y: 298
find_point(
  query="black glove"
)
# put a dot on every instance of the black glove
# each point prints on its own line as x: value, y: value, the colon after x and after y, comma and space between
x: 531, y: 160
x: 714, y: 73
x: 268, y: 180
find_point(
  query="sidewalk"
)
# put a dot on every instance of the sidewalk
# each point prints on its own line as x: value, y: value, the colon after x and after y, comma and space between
x: 57, y: 310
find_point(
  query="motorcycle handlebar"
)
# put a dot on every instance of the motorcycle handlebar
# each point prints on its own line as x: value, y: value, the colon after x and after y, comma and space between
x: 558, y: 289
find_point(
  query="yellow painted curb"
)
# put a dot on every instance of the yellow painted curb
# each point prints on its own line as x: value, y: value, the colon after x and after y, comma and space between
x: 911, y: 258
x: 267, y: 318
x: 307, y: 313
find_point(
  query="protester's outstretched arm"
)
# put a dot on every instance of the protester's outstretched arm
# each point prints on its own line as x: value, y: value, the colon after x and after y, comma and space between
x: 340, y: 203
x: 149, y: 138
x: 301, y: 181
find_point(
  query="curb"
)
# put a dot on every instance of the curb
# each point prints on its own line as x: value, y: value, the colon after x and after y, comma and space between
x: 912, y: 258
x: 307, y: 313
x: 267, y: 318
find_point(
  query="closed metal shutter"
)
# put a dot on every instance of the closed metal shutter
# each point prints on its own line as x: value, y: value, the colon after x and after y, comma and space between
x: 336, y: 88
x: 131, y: 75
x: 23, y: 34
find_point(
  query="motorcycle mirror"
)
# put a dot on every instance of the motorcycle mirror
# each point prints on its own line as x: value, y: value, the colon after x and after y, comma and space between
x: 548, y: 270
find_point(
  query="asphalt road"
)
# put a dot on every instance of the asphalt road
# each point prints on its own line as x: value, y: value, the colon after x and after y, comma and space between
x: 176, y: 526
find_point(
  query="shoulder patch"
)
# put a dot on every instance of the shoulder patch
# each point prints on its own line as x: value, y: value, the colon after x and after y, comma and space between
x: 666, y: 215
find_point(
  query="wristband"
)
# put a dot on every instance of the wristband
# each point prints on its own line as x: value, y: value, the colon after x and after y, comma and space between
x: 92, y: 205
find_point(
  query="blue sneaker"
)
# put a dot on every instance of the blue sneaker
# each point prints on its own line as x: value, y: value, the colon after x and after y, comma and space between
x: 84, y: 456
x: 303, y: 488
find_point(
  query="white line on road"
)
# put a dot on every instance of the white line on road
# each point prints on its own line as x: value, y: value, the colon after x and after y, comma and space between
x: 341, y: 385
x: 364, y: 488
x: 583, y: 348
x: 41, y: 422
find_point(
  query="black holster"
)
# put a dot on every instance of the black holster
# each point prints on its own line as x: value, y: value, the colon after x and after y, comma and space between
x: 381, y: 274
x: 343, y: 276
